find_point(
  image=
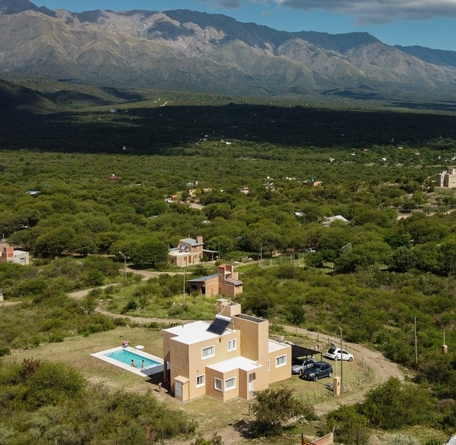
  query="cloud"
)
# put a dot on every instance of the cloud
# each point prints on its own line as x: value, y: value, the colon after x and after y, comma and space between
x: 364, y: 11
x: 379, y: 11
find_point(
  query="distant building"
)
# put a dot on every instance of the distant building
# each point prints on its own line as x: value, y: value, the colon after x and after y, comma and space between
x: 446, y: 178
x: 330, y: 219
x: 224, y: 282
x: 188, y: 253
x: 9, y: 255
x: 228, y: 358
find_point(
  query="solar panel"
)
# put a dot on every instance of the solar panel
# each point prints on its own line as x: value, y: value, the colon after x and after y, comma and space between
x: 219, y: 325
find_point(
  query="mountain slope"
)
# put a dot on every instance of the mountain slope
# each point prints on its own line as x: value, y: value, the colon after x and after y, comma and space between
x: 195, y: 51
x: 434, y: 56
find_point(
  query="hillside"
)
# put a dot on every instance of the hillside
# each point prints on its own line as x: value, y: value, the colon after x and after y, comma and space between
x: 199, y: 52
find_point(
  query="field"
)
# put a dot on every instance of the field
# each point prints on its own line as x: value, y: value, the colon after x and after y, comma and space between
x: 75, y: 351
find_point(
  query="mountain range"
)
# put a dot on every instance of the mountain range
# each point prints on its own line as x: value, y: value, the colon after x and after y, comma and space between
x: 193, y: 51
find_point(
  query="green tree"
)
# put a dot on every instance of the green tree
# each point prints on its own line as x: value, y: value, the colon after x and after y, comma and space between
x: 273, y: 408
x: 402, y: 260
x: 149, y: 251
x: 56, y: 241
x: 394, y: 405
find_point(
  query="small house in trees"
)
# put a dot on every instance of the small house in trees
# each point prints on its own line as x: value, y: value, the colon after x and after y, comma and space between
x: 188, y: 253
x: 228, y: 358
x: 330, y: 219
x: 9, y: 255
x: 446, y: 178
x: 224, y: 282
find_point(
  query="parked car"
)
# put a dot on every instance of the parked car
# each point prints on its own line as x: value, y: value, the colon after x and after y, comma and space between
x: 298, y: 369
x: 317, y: 371
x: 339, y: 354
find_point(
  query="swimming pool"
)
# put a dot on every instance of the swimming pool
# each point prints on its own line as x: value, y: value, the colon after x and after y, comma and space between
x: 122, y: 358
x: 124, y: 355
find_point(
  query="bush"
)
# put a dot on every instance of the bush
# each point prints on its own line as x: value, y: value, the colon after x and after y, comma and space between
x: 274, y: 407
x: 4, y: 351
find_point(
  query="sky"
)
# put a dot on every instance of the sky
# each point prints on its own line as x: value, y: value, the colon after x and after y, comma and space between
x: 429, y: 23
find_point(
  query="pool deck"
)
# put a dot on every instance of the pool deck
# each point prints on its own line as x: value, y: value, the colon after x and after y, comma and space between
x: 143, y: 373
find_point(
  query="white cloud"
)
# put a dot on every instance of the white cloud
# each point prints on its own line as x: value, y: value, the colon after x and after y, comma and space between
x: 365, y: 11
x: 379, y: 11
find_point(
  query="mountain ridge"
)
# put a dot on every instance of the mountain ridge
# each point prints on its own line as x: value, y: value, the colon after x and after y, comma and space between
x: 201, y: 52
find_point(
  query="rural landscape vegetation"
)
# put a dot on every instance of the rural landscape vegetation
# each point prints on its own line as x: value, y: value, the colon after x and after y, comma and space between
x: 94, y: 183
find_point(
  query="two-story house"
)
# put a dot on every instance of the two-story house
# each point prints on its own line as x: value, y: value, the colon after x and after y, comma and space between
x: 228, y: 358
x: 188, y: 253
x: 224, y: 282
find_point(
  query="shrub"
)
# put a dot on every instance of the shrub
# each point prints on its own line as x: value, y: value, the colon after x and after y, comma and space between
x: 4, y: 351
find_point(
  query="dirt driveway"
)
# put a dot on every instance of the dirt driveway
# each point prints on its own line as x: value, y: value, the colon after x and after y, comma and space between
x: 381, y: 368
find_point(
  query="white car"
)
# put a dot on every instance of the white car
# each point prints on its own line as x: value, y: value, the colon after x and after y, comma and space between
x: 339, y: 354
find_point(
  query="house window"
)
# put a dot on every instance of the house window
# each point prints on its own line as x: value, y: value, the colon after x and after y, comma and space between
x: 230, y: 384
x: 218, y: 384
x: 208, y: 352
x: 178, y: 388
x: 281, y: 361
x: 232, y: 345
x: 200, y: 380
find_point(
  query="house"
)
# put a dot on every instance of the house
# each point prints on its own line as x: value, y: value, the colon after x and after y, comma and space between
x: 224, y: 282
x: 330, y: 219
x: 228, y: 358
x: 446, y: 178
x: 189, y: 252
x: 9, y: 255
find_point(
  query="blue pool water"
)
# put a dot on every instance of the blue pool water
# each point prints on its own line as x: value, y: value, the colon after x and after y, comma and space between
x: 125, y: 356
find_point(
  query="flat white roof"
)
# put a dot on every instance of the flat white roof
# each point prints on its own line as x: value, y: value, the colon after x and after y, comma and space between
x: 243, y: 363
x: 276, y: 346
x: 195, y: 332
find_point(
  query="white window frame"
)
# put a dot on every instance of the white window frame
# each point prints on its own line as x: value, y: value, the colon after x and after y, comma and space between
x: 232, y: 381
x: 202, y: 379
x: 218, y: 384
x: 211, y: 353
x: 279, y: 359
x: 232, y: 344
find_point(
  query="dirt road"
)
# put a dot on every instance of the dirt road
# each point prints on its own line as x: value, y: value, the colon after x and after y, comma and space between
x: 382, y: 369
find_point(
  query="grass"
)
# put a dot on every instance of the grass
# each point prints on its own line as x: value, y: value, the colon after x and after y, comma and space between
x: 210, y: 414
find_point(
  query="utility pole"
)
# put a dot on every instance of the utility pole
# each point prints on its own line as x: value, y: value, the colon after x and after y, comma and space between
x: 183, y: 286
x: 125, y: 264
x: 341, y: 361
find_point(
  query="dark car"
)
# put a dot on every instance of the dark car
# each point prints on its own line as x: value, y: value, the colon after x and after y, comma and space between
x: 317, y: 371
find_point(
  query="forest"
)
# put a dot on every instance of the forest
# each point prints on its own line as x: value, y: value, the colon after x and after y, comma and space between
x: 80, y: 189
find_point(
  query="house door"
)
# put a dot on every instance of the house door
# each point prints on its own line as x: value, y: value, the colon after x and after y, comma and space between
x: 251, y: 379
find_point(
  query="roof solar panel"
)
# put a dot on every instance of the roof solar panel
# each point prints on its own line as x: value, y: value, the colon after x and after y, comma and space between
x: 219, y: 325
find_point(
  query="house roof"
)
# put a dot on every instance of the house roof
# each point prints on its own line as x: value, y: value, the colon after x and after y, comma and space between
x: 235, y: 282
x: 330, y: 219
x: 298, y: 352
x: 202, y: 279
x: 243, y: 363
x: 195, y: 332
x: 276, y: 346
x: 191, y: 241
